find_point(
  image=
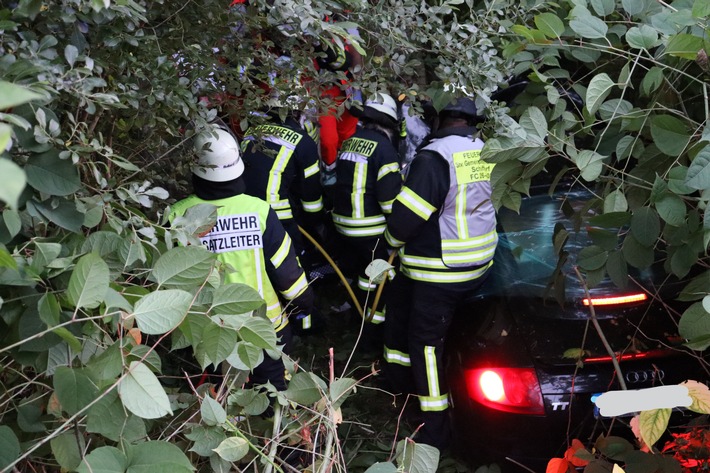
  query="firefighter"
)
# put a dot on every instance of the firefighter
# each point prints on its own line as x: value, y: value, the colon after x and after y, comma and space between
x: 249, y: 239
x: 443, y: 226
x: 281, y: 167
x: 367, y: 181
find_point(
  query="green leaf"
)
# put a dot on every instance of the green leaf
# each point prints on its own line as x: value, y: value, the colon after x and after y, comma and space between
x: 104, y: 460
x: 613, y: 447
x: 109, y: 418
x: 340, y: 389
x: 652, y: 424
x: 233, y: 449
x: 302, y: 389
x: 44, y: 254
x: 550, y: 25
x: 70, y: 54
x: 603, y: 7
x: 588, y: 26
x: 217, y: 344
x: 61, y: 212
x: 99, y: 5
x: 51, y: 175
x: 236, y: 299
x: 212, y: 412
x: 9, y: 446
x: 617, y: 269
x: 701, y: 8
x: 246, y: 356
x: 615, y: 201
x: 652, y: 80
x: 698, y: 176
x: 642, y: 37
x: 592, y: 257
x: 598, y: 90
x: 49, y: 309
x: 386, y: 467
x: 162, y: 311
x: 684, y: 46
x: 534, y: 123
x: 181, y: 266
x: 590, y: 164
x: 633, y: 7
x: 12, y: 95
x: 67, y: 450
x: 260, y: 332
x: 677, y: 177
x: 377, y: 270
x: 14, y: 181
x: 89, y: 282
x: 108, y: 364
x: 671, y: 209
x: 205, y: 439
x: 637, y: 255
x: 74, y: 389
x: 669, y: 134
x: 697, y: 288
x: 682, y: 260
x: 12, y: 220
x: 695, y: 323
x: 142, y: 393
x: 417, y: 457
x: 498, y: 150
x: 645, y: 226
x: 158, y: 457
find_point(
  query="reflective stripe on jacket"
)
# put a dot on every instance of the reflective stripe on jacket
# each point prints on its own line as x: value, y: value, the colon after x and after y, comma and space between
x: 467, y: 221
x: 283, y: 168
x: 368, y: 180
x: 250, y: 241
x: 443, y: 221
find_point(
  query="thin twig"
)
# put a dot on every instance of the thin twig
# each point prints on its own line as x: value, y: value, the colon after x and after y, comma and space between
x: 595, y: 322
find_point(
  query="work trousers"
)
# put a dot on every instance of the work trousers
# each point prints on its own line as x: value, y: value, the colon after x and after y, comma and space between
x: 418, y: 318
x: 271, y: 370
x: 361, y: 251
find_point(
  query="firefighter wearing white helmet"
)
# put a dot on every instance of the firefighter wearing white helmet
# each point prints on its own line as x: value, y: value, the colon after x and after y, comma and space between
x: 443, y: 225
x: 367, y: 181
x: 248, y: 238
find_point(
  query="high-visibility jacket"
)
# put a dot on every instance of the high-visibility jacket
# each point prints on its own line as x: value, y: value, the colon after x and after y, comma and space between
x: 249, y: 238
x: 281, y: 167
x: 368, y: 180
x: 443, y: 220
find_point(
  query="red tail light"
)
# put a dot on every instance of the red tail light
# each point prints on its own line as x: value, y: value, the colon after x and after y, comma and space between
x: 616, y: 300
x: 506, y: 389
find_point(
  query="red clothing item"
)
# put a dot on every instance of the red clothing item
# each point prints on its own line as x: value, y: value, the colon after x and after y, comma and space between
x: 335, y: 129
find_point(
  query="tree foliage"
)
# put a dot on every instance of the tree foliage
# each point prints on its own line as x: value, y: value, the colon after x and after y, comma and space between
x: 99, y: 97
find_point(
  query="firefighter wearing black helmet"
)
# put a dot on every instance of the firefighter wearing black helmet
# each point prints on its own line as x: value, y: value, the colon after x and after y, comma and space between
x: 368, y: 179
x: 443, y: 226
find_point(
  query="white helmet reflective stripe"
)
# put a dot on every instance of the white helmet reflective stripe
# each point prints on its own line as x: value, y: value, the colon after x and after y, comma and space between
x: 218, y: 157
x: 383, y: 103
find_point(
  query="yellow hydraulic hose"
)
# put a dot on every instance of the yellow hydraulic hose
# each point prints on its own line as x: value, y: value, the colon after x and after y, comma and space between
x: 335, y: 267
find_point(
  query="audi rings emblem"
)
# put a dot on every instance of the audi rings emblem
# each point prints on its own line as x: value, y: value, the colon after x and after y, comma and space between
x: 643, y: 376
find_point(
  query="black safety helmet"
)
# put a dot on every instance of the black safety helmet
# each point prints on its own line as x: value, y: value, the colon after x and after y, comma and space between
x: 461, y: 107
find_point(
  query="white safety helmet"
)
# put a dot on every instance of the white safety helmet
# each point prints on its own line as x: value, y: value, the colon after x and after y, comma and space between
x: 218, y: 157
x: 383, y: 103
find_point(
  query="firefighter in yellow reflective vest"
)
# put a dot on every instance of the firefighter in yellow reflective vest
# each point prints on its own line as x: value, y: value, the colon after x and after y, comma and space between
x: 249, y: 238
x: 368, y: 179
x: 443, y: 225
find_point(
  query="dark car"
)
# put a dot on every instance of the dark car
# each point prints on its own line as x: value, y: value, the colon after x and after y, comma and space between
x: 524, y: 360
